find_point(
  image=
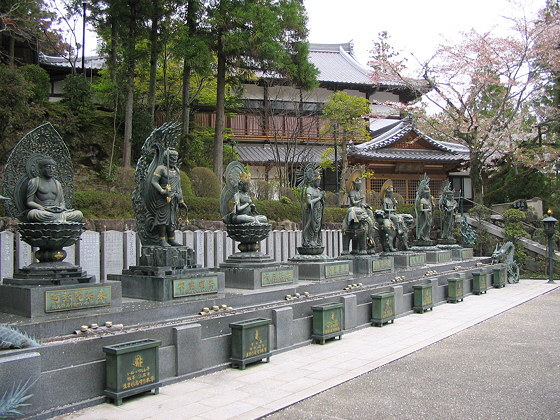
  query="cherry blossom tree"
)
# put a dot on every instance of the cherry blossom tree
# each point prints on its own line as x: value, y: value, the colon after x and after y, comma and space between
x: 486, y: 91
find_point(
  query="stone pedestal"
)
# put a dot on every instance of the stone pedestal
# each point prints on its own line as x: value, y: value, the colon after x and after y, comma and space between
x: 168, y: 273
x: 166, y: 283
x: 321, y: 267
x: 408, y: 259
x: 255, y: 270
x: 365, y: 265
x: 438, y: 257
x: 41, y: 301
x: 462, y: 254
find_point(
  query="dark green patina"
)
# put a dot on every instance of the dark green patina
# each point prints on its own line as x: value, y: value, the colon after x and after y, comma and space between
x: 327, y: 322
x: 455, y: 289
x: 480, y: 284
x: 499, y: 277
x: 382, y: 309
x: 131, y: 368
x: 423, y: 298
x: 249, y: 341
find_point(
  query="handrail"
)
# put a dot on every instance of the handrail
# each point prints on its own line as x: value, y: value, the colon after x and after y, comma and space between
x: 496, y: 212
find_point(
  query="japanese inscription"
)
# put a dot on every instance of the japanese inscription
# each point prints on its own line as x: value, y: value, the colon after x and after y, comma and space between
x: 271, y: 278
x: 71, y: 299
x: 195, y: 286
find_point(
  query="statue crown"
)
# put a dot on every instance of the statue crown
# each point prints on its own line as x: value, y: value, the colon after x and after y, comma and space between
x: 245, y: 177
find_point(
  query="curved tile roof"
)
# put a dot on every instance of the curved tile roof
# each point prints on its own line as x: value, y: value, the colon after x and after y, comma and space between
x: 379, y: 146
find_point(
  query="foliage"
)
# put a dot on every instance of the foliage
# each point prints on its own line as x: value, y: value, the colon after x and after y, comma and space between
x: 78, y: 93
x: 39, y: 80
x: 484, y: 88
x: 261, y: 189
x: 15, y: 94
x: 331, y: 199
x: 95, y: 204
x: 15, y: 398
x: 279, y: 210
x: 204, y: 183
x: 186, y: 186
x: 484, y: 240
x: 514, y: 230
x: 203, y: 208
x: 345, y: 115
x: 334, y: 214
x: 512, y: 183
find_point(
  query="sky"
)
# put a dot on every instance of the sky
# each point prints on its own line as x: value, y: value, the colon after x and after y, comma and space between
x: 414, y: 26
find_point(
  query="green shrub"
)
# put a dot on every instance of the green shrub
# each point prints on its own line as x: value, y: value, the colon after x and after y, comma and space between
x: 77, y: 93
x: 406, y: 209
x: 261, y: 189
x: 103, y: 205
x: 513, y: 228
x: 279, y: 210
x: 39, y: 81
x: 204, y: 182
x: 203, y: 208
x: 186, y: 186
x: 125, y: 182
x: 334, y: 215
x: 331, y: 199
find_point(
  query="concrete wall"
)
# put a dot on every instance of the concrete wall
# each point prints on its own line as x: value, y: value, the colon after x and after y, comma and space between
x: 70, y: 374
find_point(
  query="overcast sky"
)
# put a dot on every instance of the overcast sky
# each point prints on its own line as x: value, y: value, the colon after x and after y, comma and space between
x: 414, y: 26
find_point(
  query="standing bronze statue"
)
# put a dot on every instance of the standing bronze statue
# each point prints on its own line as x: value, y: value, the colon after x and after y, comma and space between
x: 424, y: 212
x: 313, y: 209
x: 448, y: 208
x: 158, y: 197
x: 168, y: 198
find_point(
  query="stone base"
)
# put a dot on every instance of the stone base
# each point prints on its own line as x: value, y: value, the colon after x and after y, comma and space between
x: 49, y: 274
x: 166, y: 283
x: 446, y: 241
x: 369, y: 264
x: 408, y: 259
x: 254, y: 270
x: 422, y: 243
x: 438, y: 257
x: 42, y: 301
x: 167, y: 256
x: 322, y: 269
x: 462, y: 254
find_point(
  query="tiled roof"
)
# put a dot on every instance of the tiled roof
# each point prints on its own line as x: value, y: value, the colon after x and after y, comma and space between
x: 379, y: 147
x: 269, y: 153
x: 94, y: 62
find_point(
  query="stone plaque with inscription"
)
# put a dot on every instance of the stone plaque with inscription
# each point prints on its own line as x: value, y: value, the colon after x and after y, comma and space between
x: 275, y: 277
x: 337, y: 270
x: 82, y: 298
x: 195, y: 286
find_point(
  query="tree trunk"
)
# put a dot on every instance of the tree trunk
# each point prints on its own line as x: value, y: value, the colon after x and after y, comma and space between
x: 220, y: 114
x: 154, y: 51
x: 186, y: 97
x: 11, y: 49
x: 129, y: 101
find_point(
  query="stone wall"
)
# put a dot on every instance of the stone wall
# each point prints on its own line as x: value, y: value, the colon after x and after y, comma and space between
x: 111, y: 251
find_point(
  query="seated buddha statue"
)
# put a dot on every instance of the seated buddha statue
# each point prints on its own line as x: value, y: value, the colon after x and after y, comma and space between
x: 45, y: 197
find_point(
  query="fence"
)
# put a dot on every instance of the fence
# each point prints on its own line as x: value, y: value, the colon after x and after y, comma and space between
x: 110, y: 252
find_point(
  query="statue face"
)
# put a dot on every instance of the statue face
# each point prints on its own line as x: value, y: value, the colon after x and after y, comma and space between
x: 243, y: 186
x: 389, y: 191
x: 173, y: 158
x: 357, y: 186
x: 48, y: 169
x: 317, y: 182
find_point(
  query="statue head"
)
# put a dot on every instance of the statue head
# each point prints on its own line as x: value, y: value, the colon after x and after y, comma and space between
x: 316, y: 181
x: 244, y: 180
x: 170, y: 155
x: 358, y: 184
x: 47, y: 167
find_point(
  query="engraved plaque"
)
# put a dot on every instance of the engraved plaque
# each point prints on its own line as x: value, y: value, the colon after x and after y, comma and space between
x: 382, y: 264
x: 82, y: 298
x: 337, y: 270
x: 195, y: 286
x: 271, y: 278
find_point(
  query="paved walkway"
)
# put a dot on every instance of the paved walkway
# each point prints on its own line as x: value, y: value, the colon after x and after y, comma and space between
x: 264, y: 388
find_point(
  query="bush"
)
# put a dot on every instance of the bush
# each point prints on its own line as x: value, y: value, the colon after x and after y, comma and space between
x: 102, y: 205
x: 514, y: 230
x: 39, y: 81
x: 204, y: 182
x: 331, y: 199
x: 125, y: 182
x: 203, y: 208
x: 279, y: 210
x: 261, y: 189
x: 186, y: 186
x: 77, y: 94
x: 334, y: 215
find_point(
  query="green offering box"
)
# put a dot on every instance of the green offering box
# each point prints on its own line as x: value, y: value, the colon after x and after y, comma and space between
x: 499, y: 277
x: 382, y: 309
x: 131, y: 368
x: 480, y: 284
x: 423, y: 298
x: 455, y: 290
x: 249, y: 342
x: 327, y: 322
